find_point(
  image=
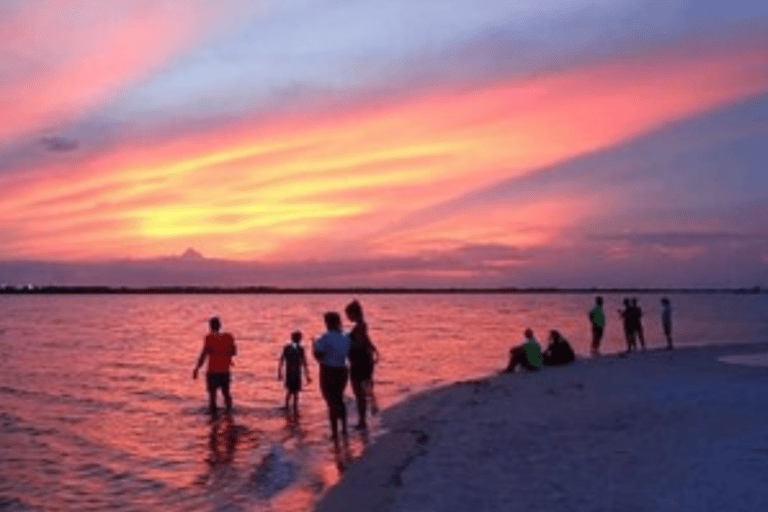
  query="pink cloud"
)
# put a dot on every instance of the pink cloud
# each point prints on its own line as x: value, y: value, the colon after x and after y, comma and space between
x: 65, y: 57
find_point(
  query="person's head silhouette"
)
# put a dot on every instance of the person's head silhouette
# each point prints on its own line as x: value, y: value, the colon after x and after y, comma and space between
x: 332, y: 321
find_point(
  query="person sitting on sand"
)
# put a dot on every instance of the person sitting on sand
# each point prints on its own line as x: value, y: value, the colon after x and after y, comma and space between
x: 559, y: 350
x: 527, y: 355
x: 294, y: 359
x: 219, y: 348
x: 332, y: 351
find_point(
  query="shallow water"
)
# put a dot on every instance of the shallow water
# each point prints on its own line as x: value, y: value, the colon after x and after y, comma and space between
x: 99, y: 411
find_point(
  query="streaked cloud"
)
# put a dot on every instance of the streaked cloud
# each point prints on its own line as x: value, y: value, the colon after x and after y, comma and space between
x: 452, y: 141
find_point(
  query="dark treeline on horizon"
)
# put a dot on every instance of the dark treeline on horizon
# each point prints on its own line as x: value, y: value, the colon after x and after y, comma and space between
x: 355, y: 290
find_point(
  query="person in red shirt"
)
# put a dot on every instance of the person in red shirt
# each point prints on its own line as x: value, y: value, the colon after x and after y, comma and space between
x: 219, y: 348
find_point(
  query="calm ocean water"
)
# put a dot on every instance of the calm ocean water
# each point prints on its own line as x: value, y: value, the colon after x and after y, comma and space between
x: 98, y: 410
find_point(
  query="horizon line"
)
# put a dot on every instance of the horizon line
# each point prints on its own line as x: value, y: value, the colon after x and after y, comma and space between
x: 371, y: 290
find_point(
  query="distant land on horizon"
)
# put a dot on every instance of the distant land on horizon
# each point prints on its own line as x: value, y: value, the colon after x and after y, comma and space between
x: 31, y: 289
x: 190, y: 270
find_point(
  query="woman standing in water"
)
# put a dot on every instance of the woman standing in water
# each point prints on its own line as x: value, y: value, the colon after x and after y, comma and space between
x: 331, y: 350
x: 362, y: 358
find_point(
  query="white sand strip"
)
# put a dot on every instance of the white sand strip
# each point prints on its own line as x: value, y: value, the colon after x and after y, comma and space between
x: 657, y: 431
x: 747, y: 359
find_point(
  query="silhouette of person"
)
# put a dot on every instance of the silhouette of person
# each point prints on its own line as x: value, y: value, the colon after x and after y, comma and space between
x: 294, y: 360
x: 559, y: 351
x: 218, y: 349
x: 528, y: 355
x: 666, y: 321
x: 637, y: 324
x: 629, y: 330
x: 597, y: 321
x: 362, y: 359
x: 332, y: 351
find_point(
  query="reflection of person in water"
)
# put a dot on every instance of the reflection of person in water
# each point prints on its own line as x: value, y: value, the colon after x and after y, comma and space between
x: 559, y: 350
x: 294, y: 360
x: 222, y: 442
x: 332, y: 350
x: 527, y: 355
x: 218, y: 349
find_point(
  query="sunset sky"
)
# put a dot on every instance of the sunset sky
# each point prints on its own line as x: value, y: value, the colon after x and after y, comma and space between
x: 384, y: 142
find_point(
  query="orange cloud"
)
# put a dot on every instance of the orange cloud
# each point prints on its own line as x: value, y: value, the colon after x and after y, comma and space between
x: 309, y: 186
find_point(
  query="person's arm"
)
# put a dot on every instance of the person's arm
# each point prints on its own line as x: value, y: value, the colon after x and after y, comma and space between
x: 375, y: 353
x: 318, y: 349
x: 200, y: 361
x: 280, y: 366
x: 363, y: 335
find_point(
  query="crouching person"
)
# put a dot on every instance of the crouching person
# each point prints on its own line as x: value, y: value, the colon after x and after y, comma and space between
x: 559, y: 351
x: 528, y: 355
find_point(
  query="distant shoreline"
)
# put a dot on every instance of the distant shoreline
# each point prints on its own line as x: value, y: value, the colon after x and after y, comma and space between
x: 268, y: 290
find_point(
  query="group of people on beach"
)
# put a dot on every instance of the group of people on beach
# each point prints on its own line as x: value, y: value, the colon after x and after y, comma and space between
x: 631, y: 317
x: 352, y: 357
x: 333, y: 350
x: 529, y: 355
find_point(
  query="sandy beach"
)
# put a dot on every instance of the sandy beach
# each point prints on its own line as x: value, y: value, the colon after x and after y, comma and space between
x: 684, y: 430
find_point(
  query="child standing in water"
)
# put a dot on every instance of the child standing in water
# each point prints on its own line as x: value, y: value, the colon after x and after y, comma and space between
x: 294, y: 360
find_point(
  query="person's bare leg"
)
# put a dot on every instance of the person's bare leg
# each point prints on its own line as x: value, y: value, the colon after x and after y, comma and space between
x: 358, y: 388
x: 212, y: 402
x: 342, y: 415
x: 227, y: 398
x: 372, y: 397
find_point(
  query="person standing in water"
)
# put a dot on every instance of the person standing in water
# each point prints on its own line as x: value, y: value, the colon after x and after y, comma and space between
x: 332, y: 350
x: 597, y: 321
x: 294, y: 360
x: 362, y: 359
x: 218, y: 349
x: 666, y: 321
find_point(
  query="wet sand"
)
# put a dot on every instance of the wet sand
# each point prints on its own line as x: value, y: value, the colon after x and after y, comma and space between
x: 682, y: 430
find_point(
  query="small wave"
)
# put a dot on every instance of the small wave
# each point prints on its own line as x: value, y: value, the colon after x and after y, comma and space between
x: 12, y: 424
x: 16, y: 505
x: 155, y: 394
x: 127, y: 378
